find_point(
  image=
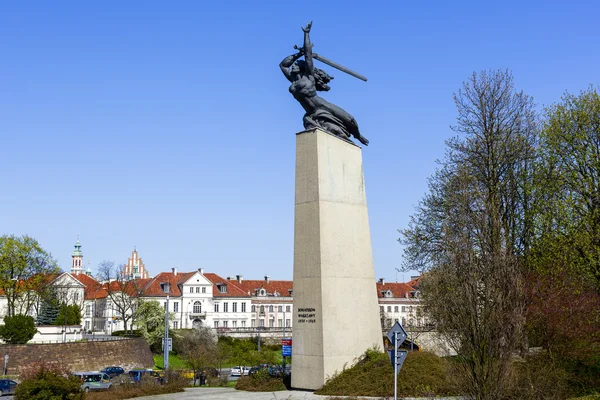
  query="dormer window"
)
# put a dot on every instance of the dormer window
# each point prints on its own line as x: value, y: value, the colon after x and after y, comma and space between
x: 388, y: 293
x: 291, y: 292
x: 262, y: 292
x: 222, y: 288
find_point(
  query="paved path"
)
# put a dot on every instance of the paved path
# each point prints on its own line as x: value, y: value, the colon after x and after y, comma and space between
x: 230, y: 393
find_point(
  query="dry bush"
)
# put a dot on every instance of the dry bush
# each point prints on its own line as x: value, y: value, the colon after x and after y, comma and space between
x: 147, y: 388
x: 260, y: 382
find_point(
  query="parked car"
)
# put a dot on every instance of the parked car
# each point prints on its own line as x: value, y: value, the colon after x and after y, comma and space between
x: 239, y: 371
x: 138, y: 375
x: 257, y: 368
x: 113, y: 371
x: 7, y: 386
x: 94, y: 381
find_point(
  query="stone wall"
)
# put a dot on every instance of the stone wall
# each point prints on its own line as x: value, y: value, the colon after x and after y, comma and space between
x: 84, y: 356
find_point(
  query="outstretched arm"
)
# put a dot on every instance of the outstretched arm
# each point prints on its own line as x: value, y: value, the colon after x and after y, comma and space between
x: 308, y: 50
x: 287, y: 62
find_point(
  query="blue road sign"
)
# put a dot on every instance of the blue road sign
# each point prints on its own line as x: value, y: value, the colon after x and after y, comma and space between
x: 401, y: 356
x: 286, y: 351
x: 401, y: 335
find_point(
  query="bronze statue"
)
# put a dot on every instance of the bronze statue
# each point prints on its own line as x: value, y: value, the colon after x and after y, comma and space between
x: 306, y: 81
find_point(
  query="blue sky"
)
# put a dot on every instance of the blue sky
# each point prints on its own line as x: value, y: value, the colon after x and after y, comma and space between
x: 168, y: 125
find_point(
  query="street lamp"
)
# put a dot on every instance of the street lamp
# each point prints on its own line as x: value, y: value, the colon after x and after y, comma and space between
x: 166, y: 288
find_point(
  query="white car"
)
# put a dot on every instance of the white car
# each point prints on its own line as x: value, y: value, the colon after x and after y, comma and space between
x: 239, y: 371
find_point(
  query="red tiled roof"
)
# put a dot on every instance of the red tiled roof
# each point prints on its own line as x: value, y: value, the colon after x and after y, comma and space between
x: 397, y: 289
x: 93, y: 288
x: 281, y: 287
x: 233, y: 290
x: 415, y: 283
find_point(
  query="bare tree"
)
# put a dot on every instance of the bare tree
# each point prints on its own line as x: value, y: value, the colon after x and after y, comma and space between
x: 471, y: 232
x: 123, y: 293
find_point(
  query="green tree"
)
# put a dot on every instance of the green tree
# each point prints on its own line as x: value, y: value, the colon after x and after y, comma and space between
x: 68, y: 315
x: 150, y: 319
x: 25, y: 268
x: 48, y: 312
x: 568, y: 186
x: 470, y: 233
x: 17, y: 329
x: 198, y: 348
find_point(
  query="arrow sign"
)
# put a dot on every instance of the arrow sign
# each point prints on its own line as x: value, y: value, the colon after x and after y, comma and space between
x: 399, y: 358
x: 401, y: 335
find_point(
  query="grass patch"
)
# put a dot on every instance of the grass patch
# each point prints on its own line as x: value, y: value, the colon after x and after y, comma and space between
x: 423, y: 374
x: 174, y: 361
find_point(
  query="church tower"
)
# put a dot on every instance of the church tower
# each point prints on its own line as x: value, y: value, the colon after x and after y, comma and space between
x: 77, y: 260
x: 135, y: 268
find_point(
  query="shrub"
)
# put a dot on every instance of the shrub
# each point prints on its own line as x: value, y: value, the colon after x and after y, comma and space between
x: 18, y: 329
x: 423, y: 374
x: 130, y: 333
x: 46, y: 381
x: 260, y: 382
x: 128, y: 391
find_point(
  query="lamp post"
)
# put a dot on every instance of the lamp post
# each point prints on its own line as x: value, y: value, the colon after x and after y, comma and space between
x: 166, y: 287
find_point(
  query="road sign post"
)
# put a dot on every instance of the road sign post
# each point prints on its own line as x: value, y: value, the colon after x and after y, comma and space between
x: 396, y: 336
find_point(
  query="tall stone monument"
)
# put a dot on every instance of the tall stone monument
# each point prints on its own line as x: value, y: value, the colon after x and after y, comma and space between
x: 336, y: 315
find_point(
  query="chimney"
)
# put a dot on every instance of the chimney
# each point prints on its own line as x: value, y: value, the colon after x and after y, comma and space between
x: 267, y: 278
x: 382, y: 281
x: 174, y: 269
x: 239, y: 278
x: 201, y: 270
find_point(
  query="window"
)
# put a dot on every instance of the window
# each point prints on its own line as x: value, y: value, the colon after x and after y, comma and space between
x: 389, y: 308
x: 244, y: 307
x: 216, y: 324
x: 226, y: 307
x: 216, y: 307
x: 234, y: 324
x: 287, y: 322
x: 87, y: 325
x: 197, y: 289
x: 271, y: 322
x: 223, y: 288
x: 409, y: 309
x: 203, y: 289
x: 234, y: 307
x: 403, y: 321
x: 224, y: 324
x: 175, y: 324
x: 191, y: 289
x: 244, y: 323
x: 176, y: 306
x: 76, y: 297
x: 253, y: 307
x: 287, y: 308
x: 252, y: 322
x: 262, y: 309
x: 262, y: 322
x: 270, y: 308
x: 197, y: 307
x: 395, y: 308
x: 380, y: 309
x: 280, y: 309
x: 279, y: 323
x: 87, y: 310
x: 403, y: 308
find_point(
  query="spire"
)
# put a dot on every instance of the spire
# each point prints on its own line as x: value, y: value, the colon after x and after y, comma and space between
x: 77, y: 259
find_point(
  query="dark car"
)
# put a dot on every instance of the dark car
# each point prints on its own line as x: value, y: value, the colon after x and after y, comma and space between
x: 7, y: 386
x: 138, y: 375
x: 113, y: 371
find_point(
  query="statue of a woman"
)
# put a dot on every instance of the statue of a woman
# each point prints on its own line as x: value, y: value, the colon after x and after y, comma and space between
x: 306, y: 81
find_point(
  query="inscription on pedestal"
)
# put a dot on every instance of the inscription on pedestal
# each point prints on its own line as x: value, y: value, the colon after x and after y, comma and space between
x: 307, y: 315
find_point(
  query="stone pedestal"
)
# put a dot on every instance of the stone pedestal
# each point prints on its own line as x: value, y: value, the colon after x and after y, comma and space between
x: 336, y: 313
